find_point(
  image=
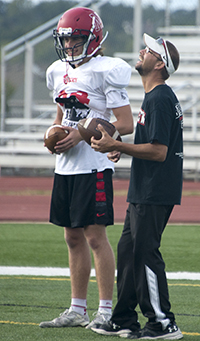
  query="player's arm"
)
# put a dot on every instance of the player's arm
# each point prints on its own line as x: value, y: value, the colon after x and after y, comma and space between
x: 59, y: 115
x: 58, y: 119
x: 147, y: 151
x: 124, y: 120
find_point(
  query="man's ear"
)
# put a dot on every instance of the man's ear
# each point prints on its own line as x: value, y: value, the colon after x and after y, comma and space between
x: 159, y: 65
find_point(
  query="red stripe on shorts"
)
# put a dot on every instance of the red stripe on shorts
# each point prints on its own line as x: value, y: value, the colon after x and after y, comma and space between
x: 100, y: 185
x: 100, y: 196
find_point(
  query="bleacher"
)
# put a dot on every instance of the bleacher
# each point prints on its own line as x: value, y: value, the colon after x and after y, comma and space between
x: 21, y: 142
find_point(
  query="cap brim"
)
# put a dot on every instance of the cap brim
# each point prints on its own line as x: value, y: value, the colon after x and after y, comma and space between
x: 161, y: 50
x: 152, y: 44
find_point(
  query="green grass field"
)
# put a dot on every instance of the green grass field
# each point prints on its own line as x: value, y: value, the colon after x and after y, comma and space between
x: 25, y: 301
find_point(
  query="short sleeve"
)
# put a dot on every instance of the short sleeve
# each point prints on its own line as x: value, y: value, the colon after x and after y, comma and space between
x: 49, y: 78
x: 118, y: 77
x: 50, y: 81
x: 117, y: 98
x: 115, y: 82
x: 161, y: 122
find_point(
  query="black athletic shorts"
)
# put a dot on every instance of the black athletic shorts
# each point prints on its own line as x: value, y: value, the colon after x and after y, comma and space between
x: 82, y: 199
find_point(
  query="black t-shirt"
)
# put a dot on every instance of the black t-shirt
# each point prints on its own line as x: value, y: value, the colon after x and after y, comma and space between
x: 160, y: 119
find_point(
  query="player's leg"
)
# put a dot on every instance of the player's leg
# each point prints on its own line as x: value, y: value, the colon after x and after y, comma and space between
x: 91, y: 206
x: 80, y: 266
x: 79, y: 254
x: 103, y: 258
x: 105, y: 271
x: 79, y: 261
x: 101, y: 248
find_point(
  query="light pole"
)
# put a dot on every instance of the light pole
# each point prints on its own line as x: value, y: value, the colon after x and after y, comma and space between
x: 137, y: 26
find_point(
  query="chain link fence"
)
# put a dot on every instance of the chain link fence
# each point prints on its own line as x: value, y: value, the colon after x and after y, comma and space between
x: 173, y: 12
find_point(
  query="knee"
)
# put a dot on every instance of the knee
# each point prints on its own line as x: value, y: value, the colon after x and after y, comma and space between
x: 73, y: 240
x: 93, y: 242
x: 96, y: 236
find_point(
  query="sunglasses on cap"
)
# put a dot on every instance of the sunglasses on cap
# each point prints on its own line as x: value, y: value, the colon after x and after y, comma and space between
x: 147, y: 49
x: 161, y: 41
x: 166, y: 57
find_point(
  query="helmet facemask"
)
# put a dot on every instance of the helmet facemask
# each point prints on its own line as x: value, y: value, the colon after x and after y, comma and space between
x: 66, y: 54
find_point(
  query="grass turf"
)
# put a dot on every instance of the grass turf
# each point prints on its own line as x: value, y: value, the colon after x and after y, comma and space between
x: 25, y: 301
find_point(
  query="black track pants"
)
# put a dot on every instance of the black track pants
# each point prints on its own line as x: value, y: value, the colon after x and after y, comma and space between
x: 141, y: 269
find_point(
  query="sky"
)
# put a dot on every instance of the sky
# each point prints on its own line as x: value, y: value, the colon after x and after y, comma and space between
x: 174, y: 4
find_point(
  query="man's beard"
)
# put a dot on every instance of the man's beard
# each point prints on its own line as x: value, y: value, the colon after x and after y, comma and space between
x: 139, y: 69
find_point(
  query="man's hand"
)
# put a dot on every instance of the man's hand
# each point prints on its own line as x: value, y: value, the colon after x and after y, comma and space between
x: 105, y: 144
x: 72, y: 139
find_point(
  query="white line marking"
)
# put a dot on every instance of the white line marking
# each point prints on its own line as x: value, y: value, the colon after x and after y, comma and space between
x: 53, y: 272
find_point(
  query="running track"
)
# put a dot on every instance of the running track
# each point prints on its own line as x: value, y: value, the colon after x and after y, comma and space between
x: 28, y: 199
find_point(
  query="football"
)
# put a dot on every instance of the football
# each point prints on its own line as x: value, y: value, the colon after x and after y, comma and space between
x: 88, y: 127
x: 54, y: 134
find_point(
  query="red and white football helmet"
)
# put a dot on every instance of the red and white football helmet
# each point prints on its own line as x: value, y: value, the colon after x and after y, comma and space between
x: 83, y: 22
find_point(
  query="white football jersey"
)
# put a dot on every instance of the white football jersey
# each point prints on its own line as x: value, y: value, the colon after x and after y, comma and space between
x: 90, y: 90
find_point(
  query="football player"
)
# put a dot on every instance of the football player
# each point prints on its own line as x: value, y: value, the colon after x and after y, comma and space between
x: 85, y: 83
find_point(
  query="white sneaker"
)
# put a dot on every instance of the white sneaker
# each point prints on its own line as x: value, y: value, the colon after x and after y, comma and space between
x: 67, y: 319
x: 101, y: 317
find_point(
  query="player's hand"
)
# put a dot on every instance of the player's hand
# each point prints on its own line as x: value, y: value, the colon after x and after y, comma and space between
x: 114, y: 156
x: 72, y: 139
x: 49, y: 151
x: 105, y: 144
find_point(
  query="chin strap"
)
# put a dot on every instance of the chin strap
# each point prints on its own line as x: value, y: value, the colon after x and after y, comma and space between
x: 72, y: 65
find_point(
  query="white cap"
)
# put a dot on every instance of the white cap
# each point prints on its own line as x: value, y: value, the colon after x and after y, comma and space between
x: 159, y: 46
